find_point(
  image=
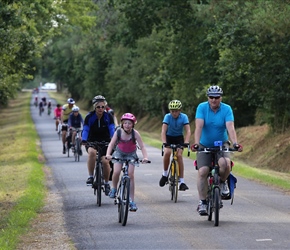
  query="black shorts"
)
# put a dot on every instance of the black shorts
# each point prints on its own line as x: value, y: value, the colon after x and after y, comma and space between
x: 64, y: 127
x: 175, y: 139
x: 103, y: 150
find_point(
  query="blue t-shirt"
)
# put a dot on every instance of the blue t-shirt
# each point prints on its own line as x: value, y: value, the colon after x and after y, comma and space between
x: 175, y: 125
x: 214, y: 128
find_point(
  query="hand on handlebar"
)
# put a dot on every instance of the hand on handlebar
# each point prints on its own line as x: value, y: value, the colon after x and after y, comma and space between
x: 108, y: 157
x: 239, y: 147
x: 145, y: 160
x: 194, y: 147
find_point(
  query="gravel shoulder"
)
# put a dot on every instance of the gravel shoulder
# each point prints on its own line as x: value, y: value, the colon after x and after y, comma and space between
x: 48, y: 229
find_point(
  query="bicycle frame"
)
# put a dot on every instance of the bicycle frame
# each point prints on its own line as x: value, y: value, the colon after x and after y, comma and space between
x: 98, y: 183
x: 173, y: 172
x: 213, y: 198
x: 122, y: 198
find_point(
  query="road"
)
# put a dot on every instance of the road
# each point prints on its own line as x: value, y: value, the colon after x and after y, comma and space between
x: 258, y: 219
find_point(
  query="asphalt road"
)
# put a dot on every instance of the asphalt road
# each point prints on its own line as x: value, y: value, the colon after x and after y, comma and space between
x: 258, y: 219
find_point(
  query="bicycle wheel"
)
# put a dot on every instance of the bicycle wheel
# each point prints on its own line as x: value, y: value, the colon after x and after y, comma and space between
x: 176, y: 179
x: 99, y: 184
x: 77, y: 149
x: 118, y: 200
x: 68, y: 141
x: 216, y: 201
x: 209, y: 203
x: 125, y: 200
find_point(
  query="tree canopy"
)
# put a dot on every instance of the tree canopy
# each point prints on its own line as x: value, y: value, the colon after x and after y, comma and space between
x: 142, y: 54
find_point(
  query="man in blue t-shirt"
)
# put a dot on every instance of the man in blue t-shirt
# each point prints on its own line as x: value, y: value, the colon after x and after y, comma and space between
x: 172, y: 133
x: 214, y: 121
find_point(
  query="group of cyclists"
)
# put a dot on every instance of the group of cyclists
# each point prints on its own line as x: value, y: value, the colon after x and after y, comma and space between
x: 214, y: 121
x: 41, y: 103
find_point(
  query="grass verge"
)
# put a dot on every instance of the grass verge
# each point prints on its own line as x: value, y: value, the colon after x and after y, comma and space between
x: 22, y: 186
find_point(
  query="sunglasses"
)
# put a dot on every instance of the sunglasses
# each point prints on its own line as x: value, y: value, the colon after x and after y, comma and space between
x: 214, y: 97
x: 100, y: 107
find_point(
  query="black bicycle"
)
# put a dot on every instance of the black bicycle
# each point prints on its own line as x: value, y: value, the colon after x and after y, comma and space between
x: 173, y: 174
x: 122, y: 198
x: 68, y: 141
x: 98, y: 183
x: 214, y: 199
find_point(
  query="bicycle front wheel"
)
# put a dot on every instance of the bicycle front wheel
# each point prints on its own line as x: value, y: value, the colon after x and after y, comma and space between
x: 209, y: 203
x: 125, y: 200
x: 99, y: 183
x: 216, y: 201
x: 77, y: 149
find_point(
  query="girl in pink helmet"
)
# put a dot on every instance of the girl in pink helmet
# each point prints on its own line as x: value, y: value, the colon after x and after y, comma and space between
x: 125, y: 139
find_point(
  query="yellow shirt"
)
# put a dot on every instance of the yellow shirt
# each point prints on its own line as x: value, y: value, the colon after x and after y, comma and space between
x: 66, y: 112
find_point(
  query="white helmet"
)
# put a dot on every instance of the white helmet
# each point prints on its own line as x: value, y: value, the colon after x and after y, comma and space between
x: 75, y: 109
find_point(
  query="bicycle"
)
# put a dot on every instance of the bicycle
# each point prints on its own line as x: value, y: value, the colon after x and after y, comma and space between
x: 48, y: 110
x: 59, y: 126
x: 98, y: 183
x: 122, y: 198
x: 173, y: 174
x: 214, y: 199
x: 77, y: 149
x: 68, y: 140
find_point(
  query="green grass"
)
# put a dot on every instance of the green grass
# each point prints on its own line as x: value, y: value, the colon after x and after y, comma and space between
x: 22, y: 180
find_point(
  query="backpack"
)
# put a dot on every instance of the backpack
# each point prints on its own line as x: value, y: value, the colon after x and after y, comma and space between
x: 119, y: 135
x: 232, y: 180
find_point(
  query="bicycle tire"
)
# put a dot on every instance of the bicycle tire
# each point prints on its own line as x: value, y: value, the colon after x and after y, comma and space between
x: 125, y: 200
x: 172, y: 185
x: 209, y: 203
x: 119, y: 195
x: 176, y: 180
x: 77, y: 149
x: 216, y: 201
x: 99, y: 184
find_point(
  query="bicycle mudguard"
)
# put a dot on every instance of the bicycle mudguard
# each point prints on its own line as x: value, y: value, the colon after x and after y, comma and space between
x: 232, y: 180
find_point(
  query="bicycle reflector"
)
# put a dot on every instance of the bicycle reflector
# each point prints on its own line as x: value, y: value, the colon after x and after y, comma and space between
x: 218, y: 143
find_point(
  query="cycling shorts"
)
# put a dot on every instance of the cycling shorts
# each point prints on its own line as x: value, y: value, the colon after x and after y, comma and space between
x: 174, y: 139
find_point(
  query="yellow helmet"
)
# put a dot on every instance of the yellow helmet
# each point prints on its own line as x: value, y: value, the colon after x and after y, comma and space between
x: 175, y: 104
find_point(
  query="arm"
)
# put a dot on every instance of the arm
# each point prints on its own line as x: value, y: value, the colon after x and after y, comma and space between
x: 141, y: 145
x: 111, y: 146
x: 163, y: 132
x: 187, y: 133
x: 198, y: 128
x: 231, y: 131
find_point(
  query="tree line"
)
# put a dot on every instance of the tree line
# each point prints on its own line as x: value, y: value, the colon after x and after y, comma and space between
x: 142, y: 54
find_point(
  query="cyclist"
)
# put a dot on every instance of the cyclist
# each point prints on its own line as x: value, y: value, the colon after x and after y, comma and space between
x: 98, y: 126
x: 49, y: 107
x: 44, y: 100
x: 111, y: 111
x: 57, y: 115
x: 172, y: 133
x: 75, y: 121
x: 66, y: 110
x: 36, y: 101
x: 214, y: 121
x: 126, y: 148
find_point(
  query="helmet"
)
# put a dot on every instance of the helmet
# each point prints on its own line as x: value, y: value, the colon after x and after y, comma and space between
x: 130, y: 117
x: 98, y: 98
x: 75, y: 109
x: 70, y: 101
x: 214, y: 91
x: 175, y: 104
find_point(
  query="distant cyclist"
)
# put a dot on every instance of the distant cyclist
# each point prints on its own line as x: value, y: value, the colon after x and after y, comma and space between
x: 172, y: 133
x: 49, y: 107
x: 57, y: 115
x: 36, y: 101
x: 111, y: 111
x: 98, y: 126
x: 75, y: 121
x: 66, y: 110
x: 41, y: 107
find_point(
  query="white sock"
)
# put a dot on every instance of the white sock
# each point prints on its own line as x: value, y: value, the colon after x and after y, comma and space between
x: 165, y: 173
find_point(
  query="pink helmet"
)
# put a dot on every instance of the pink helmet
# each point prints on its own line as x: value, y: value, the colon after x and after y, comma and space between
x: 130, y: 117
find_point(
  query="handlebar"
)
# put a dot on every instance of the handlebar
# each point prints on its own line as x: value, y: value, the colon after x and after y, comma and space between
x: 176, y: 146
x: 127, y: 161
x: 216, y: 149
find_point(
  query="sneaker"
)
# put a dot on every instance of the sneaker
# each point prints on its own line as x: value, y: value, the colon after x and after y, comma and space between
x: 73, y: 149
x: 225, y: 189
x: 90, y: 181
x: 163, y: 181
x: 107, y: 189
x: 202, y: 208
x: 112, y: 193
x: 133, y: 207
x: 80, y: 152
x: 183, y: 187
x: 221, y: 204
x: 64, y: 150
